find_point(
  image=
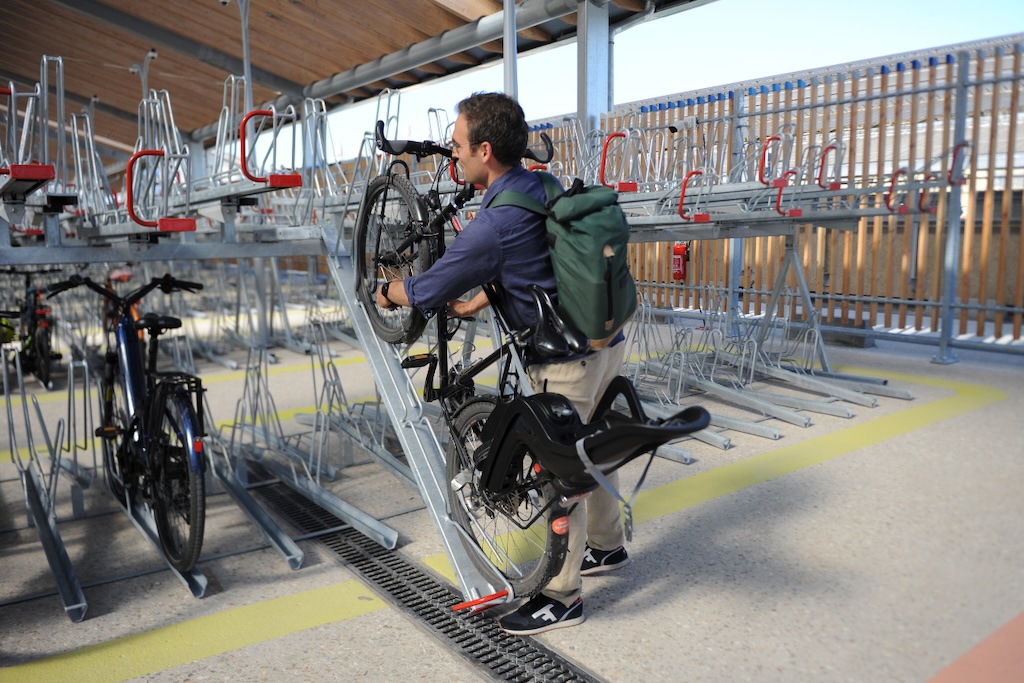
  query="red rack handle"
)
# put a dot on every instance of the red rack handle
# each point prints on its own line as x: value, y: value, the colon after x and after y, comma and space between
x: 241, y: 137
x: 892, y: 188
x: 698, y: 217
x: 604, y: 154
x: 821, y: 168
x: 952, y: 164
x: 129, y: 192
x: 782, y: 184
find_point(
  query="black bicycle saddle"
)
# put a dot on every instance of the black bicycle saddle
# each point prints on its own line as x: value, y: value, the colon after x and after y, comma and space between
x: 554, y: 337
x: 156, y: 324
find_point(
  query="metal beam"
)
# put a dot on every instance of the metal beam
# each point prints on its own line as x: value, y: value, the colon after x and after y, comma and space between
x: 183, y: 44
x: 466, y: 37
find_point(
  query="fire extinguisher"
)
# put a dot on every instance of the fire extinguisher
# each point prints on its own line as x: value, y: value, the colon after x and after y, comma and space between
x: 680, y: 255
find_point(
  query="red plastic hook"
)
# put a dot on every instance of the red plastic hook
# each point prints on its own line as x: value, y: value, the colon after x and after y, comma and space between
x: 130, y: 201
x: 604, y: 154
x: 696, y: 217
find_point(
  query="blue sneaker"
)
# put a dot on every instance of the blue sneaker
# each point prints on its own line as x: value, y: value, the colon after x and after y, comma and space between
x: 540, y: 614
x: 596, y: 561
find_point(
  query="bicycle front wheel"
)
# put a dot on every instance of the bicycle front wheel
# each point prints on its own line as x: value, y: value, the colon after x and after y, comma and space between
x: 115, y: 441
x: 179, y: 497
x: 389, y: 215
x: 511, y: 532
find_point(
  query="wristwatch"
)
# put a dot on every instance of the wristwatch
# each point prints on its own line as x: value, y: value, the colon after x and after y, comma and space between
x: 384, y: 292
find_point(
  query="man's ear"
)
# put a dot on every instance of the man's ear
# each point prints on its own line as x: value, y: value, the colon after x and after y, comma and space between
x: 485, y: 151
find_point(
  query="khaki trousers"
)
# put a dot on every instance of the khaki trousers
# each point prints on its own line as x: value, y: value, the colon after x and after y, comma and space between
x: 597, y: 521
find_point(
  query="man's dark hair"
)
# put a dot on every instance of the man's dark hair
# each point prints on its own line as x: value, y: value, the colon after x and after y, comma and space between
x: 496, y: 118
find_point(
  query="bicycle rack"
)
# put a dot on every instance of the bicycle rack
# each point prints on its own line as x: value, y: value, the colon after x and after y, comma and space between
x: 255, y: 416
x: 420, y: 444
x: 40, y: 494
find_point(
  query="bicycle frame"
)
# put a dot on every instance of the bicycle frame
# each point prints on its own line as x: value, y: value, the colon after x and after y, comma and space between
x: 135, y: 381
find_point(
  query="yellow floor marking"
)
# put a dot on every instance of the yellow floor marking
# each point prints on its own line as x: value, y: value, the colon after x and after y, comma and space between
x: 720, y: 481
x: 171, y: 646
x: 685, y: 493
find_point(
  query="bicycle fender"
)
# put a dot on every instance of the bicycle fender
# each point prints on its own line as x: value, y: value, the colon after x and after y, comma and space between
x: 193, y: 431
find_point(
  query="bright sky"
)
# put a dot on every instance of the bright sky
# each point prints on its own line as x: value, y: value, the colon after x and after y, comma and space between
x: 717, y: 44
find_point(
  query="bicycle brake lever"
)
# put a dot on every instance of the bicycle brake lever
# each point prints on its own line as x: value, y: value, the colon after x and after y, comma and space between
x: 465, y: 194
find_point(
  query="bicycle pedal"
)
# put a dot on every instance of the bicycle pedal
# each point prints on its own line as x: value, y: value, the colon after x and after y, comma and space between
x: 418, y: 360
x: 109, y: 433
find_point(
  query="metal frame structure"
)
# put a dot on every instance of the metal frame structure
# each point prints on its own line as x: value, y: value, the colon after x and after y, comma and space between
x: 772, y: 194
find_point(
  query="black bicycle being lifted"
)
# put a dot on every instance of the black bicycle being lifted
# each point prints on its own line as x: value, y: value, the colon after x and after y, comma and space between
x: 152, y: 423
x: 515, y: 463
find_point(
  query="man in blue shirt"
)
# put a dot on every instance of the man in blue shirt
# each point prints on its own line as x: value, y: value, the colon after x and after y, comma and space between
x: 507, y: 245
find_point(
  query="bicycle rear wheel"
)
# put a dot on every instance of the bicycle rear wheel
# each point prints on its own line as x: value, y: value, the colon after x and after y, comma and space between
x: 516, y: 537
x: 179, y: 497
x: 389, y: 215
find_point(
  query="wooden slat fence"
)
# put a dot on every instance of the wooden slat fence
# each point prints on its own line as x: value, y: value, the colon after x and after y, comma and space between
x: 885, y: 130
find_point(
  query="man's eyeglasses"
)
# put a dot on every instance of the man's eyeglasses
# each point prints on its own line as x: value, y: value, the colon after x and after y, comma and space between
x: 455, y: 147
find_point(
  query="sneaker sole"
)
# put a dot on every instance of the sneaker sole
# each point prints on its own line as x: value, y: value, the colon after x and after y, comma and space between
x: 602, y: 568
x: 546, y: 627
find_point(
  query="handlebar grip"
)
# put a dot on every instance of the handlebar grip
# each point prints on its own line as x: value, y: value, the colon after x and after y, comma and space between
x: 398, y: 147
x: 549, y: 151
x: 169, y: 283
x: 56, y: 288
x: 190, y: 286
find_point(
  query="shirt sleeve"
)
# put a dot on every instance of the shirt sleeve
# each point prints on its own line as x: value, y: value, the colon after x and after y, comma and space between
x: 472, y: 259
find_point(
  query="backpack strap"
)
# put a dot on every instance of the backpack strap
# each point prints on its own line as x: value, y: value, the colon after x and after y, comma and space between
x: 552, y: 189
x: 520, y: 199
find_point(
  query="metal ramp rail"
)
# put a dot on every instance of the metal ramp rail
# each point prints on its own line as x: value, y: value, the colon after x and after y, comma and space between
x: 420, y: 444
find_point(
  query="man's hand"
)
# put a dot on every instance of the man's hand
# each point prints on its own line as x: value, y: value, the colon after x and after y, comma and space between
x: 396, y: 295
x: 467, y: 309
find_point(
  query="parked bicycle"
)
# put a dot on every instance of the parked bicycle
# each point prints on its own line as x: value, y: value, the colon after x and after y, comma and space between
x: 515, y: 463
x: 35, y: 332
x: 152, y: 425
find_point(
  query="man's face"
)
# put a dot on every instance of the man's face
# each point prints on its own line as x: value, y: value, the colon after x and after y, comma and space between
x: 467, y: 154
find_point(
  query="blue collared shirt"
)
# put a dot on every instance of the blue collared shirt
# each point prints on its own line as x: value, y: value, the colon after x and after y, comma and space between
x: 504, y: 245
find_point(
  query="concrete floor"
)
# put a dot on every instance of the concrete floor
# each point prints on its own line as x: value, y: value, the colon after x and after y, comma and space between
x: 880, y: 547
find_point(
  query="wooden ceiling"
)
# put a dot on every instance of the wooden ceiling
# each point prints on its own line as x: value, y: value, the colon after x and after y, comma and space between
x: 293, y: 44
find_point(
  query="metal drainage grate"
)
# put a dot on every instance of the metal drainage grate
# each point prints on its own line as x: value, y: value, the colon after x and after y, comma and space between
x: 500, y: 656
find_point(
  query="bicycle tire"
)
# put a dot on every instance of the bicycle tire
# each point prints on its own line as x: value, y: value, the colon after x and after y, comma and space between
x: 179, y: 496
x: 42, y: 350
x: 114, y: 416
x: 527, y: 558
x: 389, y: 213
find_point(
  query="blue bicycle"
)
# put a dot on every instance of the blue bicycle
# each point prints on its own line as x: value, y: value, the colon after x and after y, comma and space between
x: 152, y: 422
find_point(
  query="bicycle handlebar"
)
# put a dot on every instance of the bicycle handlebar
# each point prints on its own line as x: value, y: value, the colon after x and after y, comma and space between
x: 166, y: 284
x: 429, y: 147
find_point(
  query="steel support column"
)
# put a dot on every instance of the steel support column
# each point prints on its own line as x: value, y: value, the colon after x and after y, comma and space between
x: 593, y: 68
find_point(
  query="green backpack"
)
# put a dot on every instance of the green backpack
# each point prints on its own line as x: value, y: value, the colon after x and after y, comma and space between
x: 588, y: 236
